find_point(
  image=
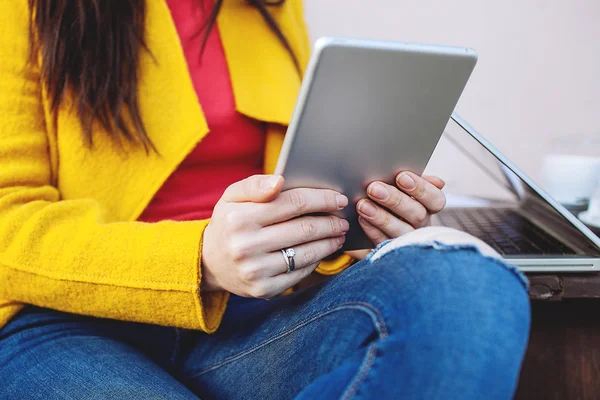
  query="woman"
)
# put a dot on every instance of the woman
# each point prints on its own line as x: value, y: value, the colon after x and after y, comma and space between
x: 136, y: 142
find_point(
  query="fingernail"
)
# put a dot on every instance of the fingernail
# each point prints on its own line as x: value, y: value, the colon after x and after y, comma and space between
x: 342, y: 201
x: 367, y: 208
x: 378, y: 191
x: 269, y: 183
x: 341, y: 240
x: 406, y: 181
x: 344, y: 225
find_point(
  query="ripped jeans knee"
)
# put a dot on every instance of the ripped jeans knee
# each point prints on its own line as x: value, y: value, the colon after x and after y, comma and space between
x: 443, y: 239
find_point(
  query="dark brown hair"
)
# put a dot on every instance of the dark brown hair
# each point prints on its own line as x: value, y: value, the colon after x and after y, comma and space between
x: 91, y: 48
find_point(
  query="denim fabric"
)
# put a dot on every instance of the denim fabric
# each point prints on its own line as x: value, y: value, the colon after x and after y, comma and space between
x: 419, y: 322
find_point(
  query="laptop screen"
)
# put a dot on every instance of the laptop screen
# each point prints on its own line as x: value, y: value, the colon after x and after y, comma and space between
x: 480, y: 172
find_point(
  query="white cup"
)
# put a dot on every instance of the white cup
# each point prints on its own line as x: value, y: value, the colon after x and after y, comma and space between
x: 571, y: 180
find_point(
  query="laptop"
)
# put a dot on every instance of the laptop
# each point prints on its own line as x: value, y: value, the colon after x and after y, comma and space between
x: 528, y: 228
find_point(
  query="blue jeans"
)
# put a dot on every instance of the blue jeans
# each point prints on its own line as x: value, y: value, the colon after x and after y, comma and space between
x: 419, y: 322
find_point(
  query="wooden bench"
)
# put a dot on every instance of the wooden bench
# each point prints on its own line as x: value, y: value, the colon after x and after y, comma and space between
x: 563, y: 357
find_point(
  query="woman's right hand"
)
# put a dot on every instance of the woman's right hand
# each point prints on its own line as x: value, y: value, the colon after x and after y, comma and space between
x: 253, y: 221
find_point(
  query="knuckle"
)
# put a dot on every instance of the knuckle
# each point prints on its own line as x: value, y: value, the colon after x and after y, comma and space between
x: 420, y: 191
x: 246, y: 188
x: 260, y: 292
x: 253, y: 184
x: 334, y: 225
x: 307, y: 228
x: 297, y: 200
x: 333, y: 246
x: 250, y: 273
x: 385, y: 220
x: 397, y: 201
x: 238, y: 250
x: 330, y: 201
x: 420, y: 216
x: 233, y: 219
x: 379, y: 237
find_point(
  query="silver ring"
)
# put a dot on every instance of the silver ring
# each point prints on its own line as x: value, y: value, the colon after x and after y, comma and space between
x: 288, y: 255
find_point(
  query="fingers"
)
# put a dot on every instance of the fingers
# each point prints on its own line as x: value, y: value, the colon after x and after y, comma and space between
x: 266, y: 276
x: 435, y: 181
x: 372, y: 232
x: 306, y: 254
x: 284, y: 281
x: 383, y: 220
x: 358, y: 254
x: 421, y: 190
x: 416, y: 199
x: 296, y: 202
x: 257, y: 188
x: 302, y: 230
x: 398, y: 203
x: 307, y: 258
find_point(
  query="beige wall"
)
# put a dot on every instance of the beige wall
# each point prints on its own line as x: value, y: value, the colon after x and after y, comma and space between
x: 536, y: 88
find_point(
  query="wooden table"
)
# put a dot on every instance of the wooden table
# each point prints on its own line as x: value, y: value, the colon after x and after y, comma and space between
x: 563, y: 358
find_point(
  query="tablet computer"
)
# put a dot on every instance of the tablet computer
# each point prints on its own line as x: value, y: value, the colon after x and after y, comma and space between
x: 366, y: 110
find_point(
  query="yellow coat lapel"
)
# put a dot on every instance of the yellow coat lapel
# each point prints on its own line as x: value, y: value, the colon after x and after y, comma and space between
x: 264, y: 77
x: 173, y: 119
x: 265, y: 83
x: 265, y: 80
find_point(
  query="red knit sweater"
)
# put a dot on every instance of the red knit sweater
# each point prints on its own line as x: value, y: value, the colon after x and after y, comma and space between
x: 234, y: 148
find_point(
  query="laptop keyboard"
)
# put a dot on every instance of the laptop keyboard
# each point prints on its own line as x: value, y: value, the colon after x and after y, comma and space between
x: 505, y: 230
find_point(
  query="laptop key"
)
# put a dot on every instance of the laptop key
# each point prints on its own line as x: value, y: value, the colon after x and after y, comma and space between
x: 505, y: 230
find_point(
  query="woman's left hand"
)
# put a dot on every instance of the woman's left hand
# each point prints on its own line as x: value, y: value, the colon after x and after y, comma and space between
x: 392, y: 211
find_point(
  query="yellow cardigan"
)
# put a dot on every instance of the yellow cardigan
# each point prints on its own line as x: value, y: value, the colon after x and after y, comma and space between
x: 69, y: 239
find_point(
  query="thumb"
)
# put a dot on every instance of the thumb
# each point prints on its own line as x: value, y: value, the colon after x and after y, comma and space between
x: 257, y: 189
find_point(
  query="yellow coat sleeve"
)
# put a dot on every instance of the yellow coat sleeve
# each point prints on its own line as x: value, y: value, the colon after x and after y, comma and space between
x: 66, y: 254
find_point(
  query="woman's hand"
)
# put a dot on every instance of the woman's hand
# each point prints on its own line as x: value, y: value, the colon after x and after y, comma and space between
x: 392, y: 211
x: 253, y: 221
